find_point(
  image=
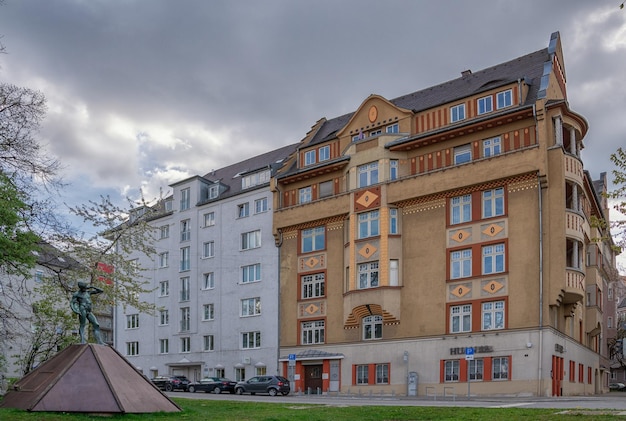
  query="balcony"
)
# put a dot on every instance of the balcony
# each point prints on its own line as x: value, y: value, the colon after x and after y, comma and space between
x: 575, y: 226
x: 574, y: 169
x: 574, y: 290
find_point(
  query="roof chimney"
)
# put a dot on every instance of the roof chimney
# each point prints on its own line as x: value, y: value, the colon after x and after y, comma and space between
x: 466, y: 72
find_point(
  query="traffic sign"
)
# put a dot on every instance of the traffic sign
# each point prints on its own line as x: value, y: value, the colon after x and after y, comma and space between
x: 292, y: 359
x: 469, y: 354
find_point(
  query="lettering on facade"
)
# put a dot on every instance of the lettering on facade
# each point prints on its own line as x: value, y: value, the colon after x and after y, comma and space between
x: 477, y: 350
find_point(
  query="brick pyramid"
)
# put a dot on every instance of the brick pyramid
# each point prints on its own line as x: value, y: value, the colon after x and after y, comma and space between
x: 87, y: 378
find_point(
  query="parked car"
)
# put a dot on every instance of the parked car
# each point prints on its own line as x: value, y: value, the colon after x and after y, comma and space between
x: 617, y: 386
x: 272, y: 385
x: 213, y: 384
x: 169, y: 383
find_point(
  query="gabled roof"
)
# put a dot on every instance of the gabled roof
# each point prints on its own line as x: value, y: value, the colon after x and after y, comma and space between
x: 87, y: 378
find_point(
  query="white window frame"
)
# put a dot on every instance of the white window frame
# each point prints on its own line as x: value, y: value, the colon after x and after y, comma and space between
x: 493, y: 315
x: 393, y: 221
x: 132, y: 348
x: 251, y: 240
x: 164, y: 259
x: 324, y: 153
x: 260, y: 205
x: 452, y: 369
x: 164, y: 346
x: 392, y: 128
x: 208, y: 312
x: 208, y: 280
x: 164, y: 288
x: 461, y: 318
x: 463, y: 154
x: 382, y: 373
x: 494, y: 258
x: 164, y: 232
x: 362, y: 374
x: 208, y: 343
x: 476, y: 370
x: 461, y: 264
x: 164, y: 317
x: 368, y: 275
x: 251, y: 340
x: 208, y: 249
x: 185, y: 319
x: 457, y: 113
x: 461, y: 209
x: 250, y: 307
x: 209, y: 219
x: 313, y: 285
x: 185, y: 345
x: 492, y: 146
x: 504, y: 99
x: 368, y: 174
x: 214, y: 191
x: 132, y: 321
x: 500, y: 368
x: 185, y: 290
x: 493, y: 202
x: 305, y: 195
x: 369, y: 224
x: 185, y: 230
x: 393, y: 169
x: 243, y: 210
x: 313, y: 332
x: 315, y: 236
x: 372, y: 327
x: 484, y: 105
x: 310, y: 157
x: 185, y: 199
x: 251, y: 273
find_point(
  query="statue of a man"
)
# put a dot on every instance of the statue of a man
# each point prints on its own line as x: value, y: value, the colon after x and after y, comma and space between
x: 81, y: 304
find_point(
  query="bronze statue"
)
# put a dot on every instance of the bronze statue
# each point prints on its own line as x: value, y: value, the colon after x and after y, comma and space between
x: 81, y: 305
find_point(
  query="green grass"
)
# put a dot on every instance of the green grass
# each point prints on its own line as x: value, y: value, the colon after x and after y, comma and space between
x: 201, y: 410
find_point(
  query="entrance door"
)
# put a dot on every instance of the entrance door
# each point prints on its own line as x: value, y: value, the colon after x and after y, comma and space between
x: 557, y: 375
x: 313, y: 379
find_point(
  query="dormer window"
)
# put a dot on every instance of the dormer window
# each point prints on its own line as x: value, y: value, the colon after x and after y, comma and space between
x: 309, y: 157
x: 485, y: 105
x: 255, y: 179
x: 457, y: 113
x: 394, y: 128
x: 324, y: 153
x: 214, y: 191
x: 504, y: 99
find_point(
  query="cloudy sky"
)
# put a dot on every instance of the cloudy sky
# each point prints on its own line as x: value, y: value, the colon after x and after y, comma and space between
x: 143, y: 93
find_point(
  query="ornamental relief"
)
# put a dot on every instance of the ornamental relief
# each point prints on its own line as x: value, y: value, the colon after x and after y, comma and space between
x: 312, y: 262
x: 311, y: 309
x: 474, y: 233
x: 475, y: 289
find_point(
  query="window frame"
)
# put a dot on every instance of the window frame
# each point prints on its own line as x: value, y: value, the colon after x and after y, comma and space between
x: 313, y: 285
x: 463, y: 318
x: 305, y: 195
x: 362, y: 374
x: 324, y: 153
x: 209, y: 219
x: 243, y: 210
x: 372, y: 327
x: 164, y: 317
x: 250, y: 307
x: 493, y: 258
x: 251, y: 340
x: 185, y: 259
x: 247, y: 270
x: 185, y: 319
x: 164, y: 288
x: 461, y: 209
x: 368, y: 271
x: 132, y: 348
x: 185, y: 289
x: 492, y: 146
x: 497, y: 310
x: 461, y: 263
x: 497, y: 363
x: 208, y: 249
x: 132, y: 321
x: 208, y: 280
x: 185, y: 199
x: 476, y: 369
x: 260, y: 205
x: 312, y: 332
x: 452, y: 370
x: 484, y: 105
x: 392, y: 128
x: 314, y: 235
x: 208, y: 312
x: 208, y: 343
x: 367, y: 174
x: 494, y: 201
x: 504, y: 99
x: 164, y: 232
x: 185, y: 345
x: 462, y: 154
x: 382, y: 373
x: 164, y: 346
x: 185, y: 230
x: 457, y: 113
x: 310, y: 157
x: 164, y: 259
x: 250, y: 240
x: 369, y: 224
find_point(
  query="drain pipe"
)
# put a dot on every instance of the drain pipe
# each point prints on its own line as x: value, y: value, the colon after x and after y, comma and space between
x: 540, y: 350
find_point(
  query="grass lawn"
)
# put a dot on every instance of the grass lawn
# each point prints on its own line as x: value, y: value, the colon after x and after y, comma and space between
x: 201, y: 410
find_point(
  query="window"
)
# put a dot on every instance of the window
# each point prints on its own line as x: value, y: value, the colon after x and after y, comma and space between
x: 393, y: 169
x: 214, y: 191
x: 185, y: 344
x: 220, y: 372
x: 461, y: 264
x: 324, y: 153
x: 326, y: 188
x: 368, y: 275
x: 252, y: 180
x: 251, y: 340
x: 493, y: 202
x: 169, y: 205
x: 208, y: 280
x: 250, y: 307
x: 305, y: 195
x: 500, y: 368
x: 164, y: 346
x: 163, y: 259
x: 362, y: 374
x: 184, y: 259
x: 313, y: 239
x: 132, y: 321
x: 463, y: 154
x: 493, y: 259
x: 208, y: 249
x: 493, y: 315
x: 393, y: 128
x: 313, y: 332
x: 243, y: 210
x: 240, y: 374
x: 504, y: 99
x: 372, y: 327
x: 261, y: 371
x: 461, y: 318
x: 609, y: 322
x: 313, y: 286
x: 165, y: 231
x: 452, y: 368
x: 461, y: 209
x: 209, y: 219
x: 368, y: 224
x: 382, y: 373
x: 184, y: 289
x: 260, y: 205
x: 185, y: 319
x: 132, y: 348
x: 309, y: 157
x: 251, y: 273
x: 251, y: 240
x: 164, y: 317
x: 368, y: 174
x: 457, y: 113
x: 208, y: 312
x: 492, y: 147
x: 485, y: 105
x: 394, y: 277
x: 393, y: 221
x: 208, y: 343
x: 164, y: 288
x: 185, y: 230
x: 185, y: 199
x: 475, y: 369
x: 375, y: 133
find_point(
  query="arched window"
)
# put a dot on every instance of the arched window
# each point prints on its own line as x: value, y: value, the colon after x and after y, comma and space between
x: 372, y: 327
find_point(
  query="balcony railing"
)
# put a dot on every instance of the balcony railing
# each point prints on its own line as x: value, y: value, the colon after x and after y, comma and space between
x: 574, y: 289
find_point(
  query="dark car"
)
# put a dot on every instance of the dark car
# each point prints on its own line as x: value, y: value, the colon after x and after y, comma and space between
x: 272, y: 385
x: 170, y: 383
x: 213, y: 384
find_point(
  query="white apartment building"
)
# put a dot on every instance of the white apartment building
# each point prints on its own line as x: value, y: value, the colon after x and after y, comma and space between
x: 214, y: 279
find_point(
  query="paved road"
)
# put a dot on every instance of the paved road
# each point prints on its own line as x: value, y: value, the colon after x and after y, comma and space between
x: 613, y: 401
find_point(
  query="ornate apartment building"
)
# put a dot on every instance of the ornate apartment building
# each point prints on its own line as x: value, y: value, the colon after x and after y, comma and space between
x: 445, y: 237
x: 215, y: 279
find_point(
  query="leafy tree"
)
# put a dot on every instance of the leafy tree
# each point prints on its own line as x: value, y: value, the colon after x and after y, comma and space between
x: 618, y: 197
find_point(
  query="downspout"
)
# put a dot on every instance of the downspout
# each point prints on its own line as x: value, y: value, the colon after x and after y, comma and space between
x: 278, y: 244
x: 540, y: 350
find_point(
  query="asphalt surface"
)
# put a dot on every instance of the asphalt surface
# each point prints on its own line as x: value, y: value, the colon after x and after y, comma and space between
x: 615, y: 401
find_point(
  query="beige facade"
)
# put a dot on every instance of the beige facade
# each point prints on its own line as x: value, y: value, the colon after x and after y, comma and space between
x: 454, y: 219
